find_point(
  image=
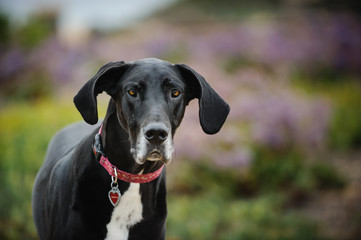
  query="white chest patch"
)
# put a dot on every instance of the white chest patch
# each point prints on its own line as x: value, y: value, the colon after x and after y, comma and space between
x: 126, y: 214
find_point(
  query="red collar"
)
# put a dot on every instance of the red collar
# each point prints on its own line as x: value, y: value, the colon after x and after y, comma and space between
x: 129, y: 177
x: 124, y: 176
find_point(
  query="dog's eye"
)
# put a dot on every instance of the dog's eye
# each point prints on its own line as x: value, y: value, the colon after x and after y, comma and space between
x: 132, y: 93
x: 175, y: 93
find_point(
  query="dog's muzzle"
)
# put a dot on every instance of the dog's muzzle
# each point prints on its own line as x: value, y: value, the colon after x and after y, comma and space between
x: 154, y: 143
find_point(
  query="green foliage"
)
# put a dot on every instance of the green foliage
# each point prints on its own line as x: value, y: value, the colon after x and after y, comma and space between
x: 287, y: 171
x: 4, y: 29
x: 345, y: 94
x: 35, y: 86
x: 345, y: 130
x: 35, y: 31
x: 232, y: 7
x: 211, y: 217
x: 25, y: 133
x: 188, y: 180
x: 273, y: 171
x: 337, y: 5
x: 235, y: 63
x: 215, y: 210
x: 327, y: 177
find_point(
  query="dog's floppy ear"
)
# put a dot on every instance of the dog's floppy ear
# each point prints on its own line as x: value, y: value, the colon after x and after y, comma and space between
x: 104, y: 80
x: 213, y: 110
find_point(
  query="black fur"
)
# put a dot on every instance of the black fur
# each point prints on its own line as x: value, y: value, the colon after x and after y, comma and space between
x: 70, y: 195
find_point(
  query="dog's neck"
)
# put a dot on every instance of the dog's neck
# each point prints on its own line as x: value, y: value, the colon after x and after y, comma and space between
x: 113, y: 136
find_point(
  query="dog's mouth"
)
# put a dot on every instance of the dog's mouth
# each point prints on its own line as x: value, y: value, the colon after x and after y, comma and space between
x: 155, y: 155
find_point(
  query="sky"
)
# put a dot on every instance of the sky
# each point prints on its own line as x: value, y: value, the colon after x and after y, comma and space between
x: 94, y: 14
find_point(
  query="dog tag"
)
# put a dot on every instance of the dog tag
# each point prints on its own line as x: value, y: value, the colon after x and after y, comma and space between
x: 114, y: 195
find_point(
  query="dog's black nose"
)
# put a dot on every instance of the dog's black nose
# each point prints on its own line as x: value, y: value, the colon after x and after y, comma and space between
x: 156, y: 133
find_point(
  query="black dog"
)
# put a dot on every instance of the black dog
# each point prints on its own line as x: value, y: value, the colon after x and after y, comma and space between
x: 123, y: 197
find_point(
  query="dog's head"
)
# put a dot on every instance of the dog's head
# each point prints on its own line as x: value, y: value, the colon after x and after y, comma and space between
x: 150, y: 97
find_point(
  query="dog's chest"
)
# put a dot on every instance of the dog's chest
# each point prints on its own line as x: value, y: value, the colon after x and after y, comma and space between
x: 126, y: 214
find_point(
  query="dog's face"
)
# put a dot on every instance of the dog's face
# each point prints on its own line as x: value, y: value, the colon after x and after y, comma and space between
x: 150, y: 102
x: 150, y: 97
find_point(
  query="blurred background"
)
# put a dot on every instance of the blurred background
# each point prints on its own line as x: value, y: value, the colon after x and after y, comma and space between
x: 287, y: 163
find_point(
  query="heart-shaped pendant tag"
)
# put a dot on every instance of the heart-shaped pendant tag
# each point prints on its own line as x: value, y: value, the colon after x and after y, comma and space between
x: 114, y: 196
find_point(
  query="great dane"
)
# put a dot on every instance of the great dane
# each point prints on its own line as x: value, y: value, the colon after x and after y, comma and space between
x: 108, y: 181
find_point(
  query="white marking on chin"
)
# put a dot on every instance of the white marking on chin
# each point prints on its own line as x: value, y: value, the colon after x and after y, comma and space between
x: 126, y: 214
